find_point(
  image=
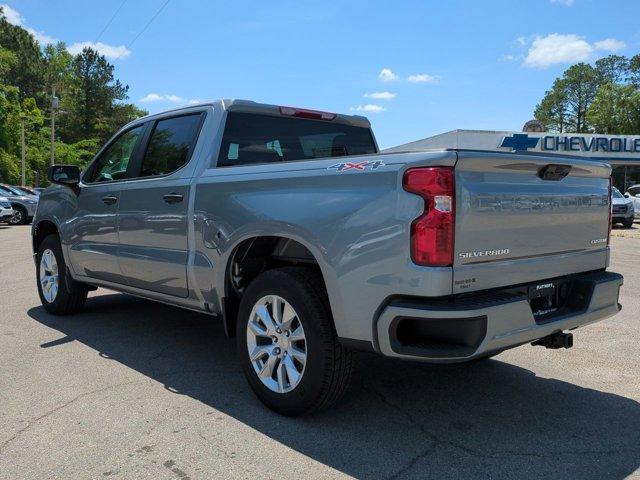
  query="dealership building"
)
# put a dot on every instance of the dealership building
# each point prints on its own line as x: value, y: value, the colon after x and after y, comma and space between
x: 621, y: 151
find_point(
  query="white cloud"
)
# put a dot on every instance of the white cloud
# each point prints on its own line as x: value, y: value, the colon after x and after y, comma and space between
x: 422, y: 78
x: 369, y: 108
x: 110, y: 51
x: 156, y: 97
x: 610, y: 45
x: 566, y: 3
x: 381, y: 95
x: 558, y: 48
x: 167, y: 97
x: 509, y: 58
x: 41, y: 37
x: 386, y: 75
x: 521, y: 41
x: 14, y: 17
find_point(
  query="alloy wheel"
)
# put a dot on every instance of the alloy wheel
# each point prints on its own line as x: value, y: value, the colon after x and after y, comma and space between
x: 276, y: 344
x: 49, y: 275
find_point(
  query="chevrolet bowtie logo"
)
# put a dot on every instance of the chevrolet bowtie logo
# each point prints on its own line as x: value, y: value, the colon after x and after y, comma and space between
x: 520, y: 141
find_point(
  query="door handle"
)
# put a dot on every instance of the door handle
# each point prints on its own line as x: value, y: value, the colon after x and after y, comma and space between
x: 109, y: 199
x: 173, y: 198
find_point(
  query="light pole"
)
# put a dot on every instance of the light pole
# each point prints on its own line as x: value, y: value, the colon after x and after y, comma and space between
x: 23, y: 117
x: 55, y: 105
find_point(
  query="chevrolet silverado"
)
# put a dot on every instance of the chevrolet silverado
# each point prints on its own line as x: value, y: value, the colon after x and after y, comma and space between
x: 291, y: 227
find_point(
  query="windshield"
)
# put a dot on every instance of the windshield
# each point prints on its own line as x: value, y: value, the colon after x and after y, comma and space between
x: 616, y: 193
x: 253, y: 138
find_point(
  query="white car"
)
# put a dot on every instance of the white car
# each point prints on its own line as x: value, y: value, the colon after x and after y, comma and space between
x: 633, y: 193
x: 6, y: 211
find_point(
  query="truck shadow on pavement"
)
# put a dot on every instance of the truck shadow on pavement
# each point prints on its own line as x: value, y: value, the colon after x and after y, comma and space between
x: 399, y: 420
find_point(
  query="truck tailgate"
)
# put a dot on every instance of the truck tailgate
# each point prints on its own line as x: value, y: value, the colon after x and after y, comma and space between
x: 517, y: 222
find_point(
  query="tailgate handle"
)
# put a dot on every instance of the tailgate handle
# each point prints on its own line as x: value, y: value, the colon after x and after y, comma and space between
x: 554, y: 172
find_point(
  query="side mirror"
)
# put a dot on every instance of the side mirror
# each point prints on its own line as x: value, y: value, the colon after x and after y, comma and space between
x: 68, y: 175
x: 627, y: 195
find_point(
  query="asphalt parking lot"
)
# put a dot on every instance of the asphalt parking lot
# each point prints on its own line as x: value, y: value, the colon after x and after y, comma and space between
x: 131, y: 389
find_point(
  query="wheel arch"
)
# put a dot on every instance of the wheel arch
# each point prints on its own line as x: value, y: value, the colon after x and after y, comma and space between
x: 40, y: 232
x: 255, y: 254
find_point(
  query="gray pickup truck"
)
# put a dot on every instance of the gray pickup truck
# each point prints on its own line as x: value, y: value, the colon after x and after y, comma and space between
x: 290, y: 226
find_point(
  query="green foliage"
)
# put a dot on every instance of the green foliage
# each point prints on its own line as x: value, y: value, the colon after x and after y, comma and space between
x: 9, y: 169
x: 604, y: 98
x: 91, y: 101
x: 8, y: 61
x: 93, y: 92
x: 9, y: 118
x: 616, y: 109
x: 27, y: 71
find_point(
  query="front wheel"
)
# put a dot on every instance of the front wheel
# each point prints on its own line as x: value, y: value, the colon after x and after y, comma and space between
x: 56, y: 294
x: 287, y: 343
x: 628, y: 223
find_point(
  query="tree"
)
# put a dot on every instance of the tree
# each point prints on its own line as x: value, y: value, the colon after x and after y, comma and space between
x: 91, y: 96
x: 8, y: 61
x: 9, y: 132
x: 552, y: 110
x: 564, y: 107
x: 634, y: 70
x: 27, y: 70
x: 613, y: 69
x: 581, y: 82
x: 93, y: 91
x: 616, y: 109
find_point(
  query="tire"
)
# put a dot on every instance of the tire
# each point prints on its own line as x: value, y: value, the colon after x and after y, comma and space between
x: 69, y: 296
x: 20, y: 216
x: 328, y: 365
x: 628, y: 223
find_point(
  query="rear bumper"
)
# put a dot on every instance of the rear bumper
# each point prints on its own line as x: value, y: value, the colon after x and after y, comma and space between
x: 447, y: 331
x: 5, y: 214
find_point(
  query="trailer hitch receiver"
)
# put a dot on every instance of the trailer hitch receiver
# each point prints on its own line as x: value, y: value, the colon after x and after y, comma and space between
x: 556, y: 340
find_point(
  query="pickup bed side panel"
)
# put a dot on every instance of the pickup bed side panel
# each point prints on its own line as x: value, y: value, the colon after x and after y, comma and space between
x: 355, y: 222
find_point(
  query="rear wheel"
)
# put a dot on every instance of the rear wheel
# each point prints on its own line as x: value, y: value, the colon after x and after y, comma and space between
x: 20, y: 216
x: 287, y: 342
x: 58, y: 293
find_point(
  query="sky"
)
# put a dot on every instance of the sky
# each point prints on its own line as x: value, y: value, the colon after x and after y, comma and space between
x: 415, y: 68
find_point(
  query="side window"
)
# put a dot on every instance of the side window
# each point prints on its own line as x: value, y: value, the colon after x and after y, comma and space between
x: 170, y: 145
x: 113, y: 163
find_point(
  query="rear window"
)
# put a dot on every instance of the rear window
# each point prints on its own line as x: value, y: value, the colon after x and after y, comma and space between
x: 250, y: 138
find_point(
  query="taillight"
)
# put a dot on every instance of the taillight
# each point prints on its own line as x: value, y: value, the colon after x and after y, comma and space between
x: 432, y: 233
x: 610, y: 209
x: 304, y: 113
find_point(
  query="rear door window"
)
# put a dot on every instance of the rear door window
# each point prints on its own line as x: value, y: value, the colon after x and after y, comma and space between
x: 253, y: 138
x: 170, y: 145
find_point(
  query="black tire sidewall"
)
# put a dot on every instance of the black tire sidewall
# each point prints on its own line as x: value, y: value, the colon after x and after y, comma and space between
x: 311, y: 312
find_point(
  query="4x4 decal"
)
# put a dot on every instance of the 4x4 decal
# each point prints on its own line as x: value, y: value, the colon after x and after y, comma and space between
x: 342, y: 167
